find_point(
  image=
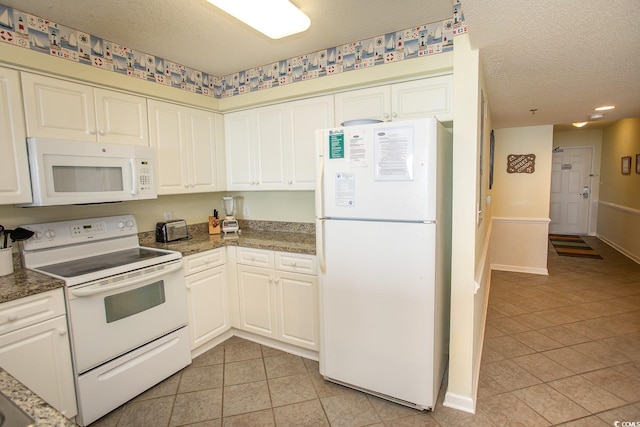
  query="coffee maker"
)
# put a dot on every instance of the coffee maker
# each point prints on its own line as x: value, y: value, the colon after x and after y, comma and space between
x: 229, y: 223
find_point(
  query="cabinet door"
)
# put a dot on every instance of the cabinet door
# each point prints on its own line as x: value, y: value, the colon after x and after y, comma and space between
x: 256, y: 300
x: 270, y: 141
x: 58, y: 109
x: 423, y: 98
x: 15, y: 185
x: 305, y: 117
x: 167, y: 137
x: 121, y: 118
x: 40, y: 358
x: 202, y: 151
x: 369, y: 103
x: 208, y: 306
x: 239, y: 128
x: 297, y: 296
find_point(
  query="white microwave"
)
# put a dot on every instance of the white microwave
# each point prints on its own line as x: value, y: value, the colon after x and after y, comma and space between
x: 69, y: 172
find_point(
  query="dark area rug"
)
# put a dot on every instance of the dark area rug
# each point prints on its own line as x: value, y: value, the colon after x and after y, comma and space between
x: 570, y: 245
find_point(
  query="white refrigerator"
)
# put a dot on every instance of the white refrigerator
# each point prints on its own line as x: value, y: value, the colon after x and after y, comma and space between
x: 383, y: 232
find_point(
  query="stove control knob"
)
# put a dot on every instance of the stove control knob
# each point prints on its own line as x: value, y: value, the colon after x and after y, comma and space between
x: 50, y: 234
x: 37, y: 235
x: 120, y: 224
x: 129, y: 223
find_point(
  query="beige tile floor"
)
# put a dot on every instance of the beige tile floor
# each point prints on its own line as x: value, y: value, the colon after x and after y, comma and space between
x: 562, y: 349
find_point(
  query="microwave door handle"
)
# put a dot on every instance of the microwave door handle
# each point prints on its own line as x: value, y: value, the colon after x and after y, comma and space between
x: 87, y: 292
x: 134, y: 178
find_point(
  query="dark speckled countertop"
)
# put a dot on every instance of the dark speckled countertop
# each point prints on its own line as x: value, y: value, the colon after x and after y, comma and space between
x: 254, y: 234
x: 273, y: 235
x: 43, y: 414
x: 23, y: 283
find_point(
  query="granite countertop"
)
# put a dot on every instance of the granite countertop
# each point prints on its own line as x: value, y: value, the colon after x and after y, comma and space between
x: 287, y: 237
x: 43, y: 414
x: 23, y: 283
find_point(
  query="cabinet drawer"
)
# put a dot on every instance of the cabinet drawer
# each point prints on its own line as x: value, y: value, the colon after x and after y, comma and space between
x: 196, y: 263
x: 31, y: 310
x: 297, y: 263
x: 257, y: 257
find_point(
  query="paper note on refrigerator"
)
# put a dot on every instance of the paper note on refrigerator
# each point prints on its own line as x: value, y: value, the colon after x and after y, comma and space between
x: 345, y: 189
x: 393, y: 154
x: 356, y: 147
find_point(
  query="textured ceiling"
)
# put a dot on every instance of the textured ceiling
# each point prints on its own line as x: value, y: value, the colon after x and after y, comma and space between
x: 561, y: 58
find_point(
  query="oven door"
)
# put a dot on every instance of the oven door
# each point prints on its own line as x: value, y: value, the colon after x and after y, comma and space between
x: 121, y: 313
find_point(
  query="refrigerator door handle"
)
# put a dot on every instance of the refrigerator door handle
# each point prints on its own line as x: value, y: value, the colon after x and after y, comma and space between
x: 319, y: 187
x: 320, y: 245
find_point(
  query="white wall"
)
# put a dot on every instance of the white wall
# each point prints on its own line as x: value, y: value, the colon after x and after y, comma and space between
x: 469, y: 269
x: 521, y: 201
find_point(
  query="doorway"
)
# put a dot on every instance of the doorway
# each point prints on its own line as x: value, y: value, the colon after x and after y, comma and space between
x: 571, y: 173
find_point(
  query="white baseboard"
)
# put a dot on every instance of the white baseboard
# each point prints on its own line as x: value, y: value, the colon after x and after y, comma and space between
x: 461, y: 403
x: 520, y: 269
x: 298, y: 351
x: 619, y: 248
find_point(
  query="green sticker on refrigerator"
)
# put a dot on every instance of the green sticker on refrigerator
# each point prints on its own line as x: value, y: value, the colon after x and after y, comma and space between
x: 336, y: 144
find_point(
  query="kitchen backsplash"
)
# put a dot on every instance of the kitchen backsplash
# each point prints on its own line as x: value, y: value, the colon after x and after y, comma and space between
x: 42, y: 35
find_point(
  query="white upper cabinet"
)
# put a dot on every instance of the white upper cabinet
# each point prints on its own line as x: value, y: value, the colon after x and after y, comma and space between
x: 185, y: 145
x: 369, y: 103
x: 305, y: 117
x: 15, y: 185
x: 417, y: 98
x: 61, y: 109
x: 273, y: 147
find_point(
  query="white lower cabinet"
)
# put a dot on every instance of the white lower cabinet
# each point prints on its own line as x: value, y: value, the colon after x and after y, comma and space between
x: 34, y: 348
x: 277, y: 296
x: 207, y: 296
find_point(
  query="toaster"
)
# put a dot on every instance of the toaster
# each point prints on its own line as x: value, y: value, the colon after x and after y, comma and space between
x: 168, y: 231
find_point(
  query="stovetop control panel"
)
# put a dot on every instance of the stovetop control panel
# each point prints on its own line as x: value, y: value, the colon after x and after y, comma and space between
x: 61, y: 233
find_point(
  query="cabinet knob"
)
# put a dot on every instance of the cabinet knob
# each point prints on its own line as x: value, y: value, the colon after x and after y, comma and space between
x: 13, y: 317
x: 394, y: 115
x: 290, y: 182
x: 386, y: 115
x: 62, y: 331
x: 101, y: 132
x: 277, y: 281
x: 92, y: 131
x: 188, y: 287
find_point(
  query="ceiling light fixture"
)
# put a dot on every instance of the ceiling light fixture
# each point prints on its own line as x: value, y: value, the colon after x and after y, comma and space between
x: 605, y: 108
x: 579, y: 124
x: 273, y: 18
x: 596, y: 116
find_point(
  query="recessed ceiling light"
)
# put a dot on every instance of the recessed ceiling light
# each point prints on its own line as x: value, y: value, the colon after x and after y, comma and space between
x: 273, y: 18
x: 596, y: 116
x: 605, y: 108
x: 579, y: 124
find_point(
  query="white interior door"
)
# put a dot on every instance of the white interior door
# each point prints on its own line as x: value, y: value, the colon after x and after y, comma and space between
x: 570, y: 190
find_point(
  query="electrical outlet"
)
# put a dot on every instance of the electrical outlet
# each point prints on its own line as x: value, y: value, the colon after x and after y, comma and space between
x: 245, y: 210
x: 168, y: 216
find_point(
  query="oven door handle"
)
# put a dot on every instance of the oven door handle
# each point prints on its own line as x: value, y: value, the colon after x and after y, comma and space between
x: 90, y: 290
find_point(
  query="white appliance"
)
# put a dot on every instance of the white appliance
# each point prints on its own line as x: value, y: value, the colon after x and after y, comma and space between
x: 126, y: 307
x: 383, y: 243
x: 70, y: 172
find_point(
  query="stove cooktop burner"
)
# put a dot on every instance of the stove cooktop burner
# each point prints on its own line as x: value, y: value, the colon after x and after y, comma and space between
x: 92, y: 264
